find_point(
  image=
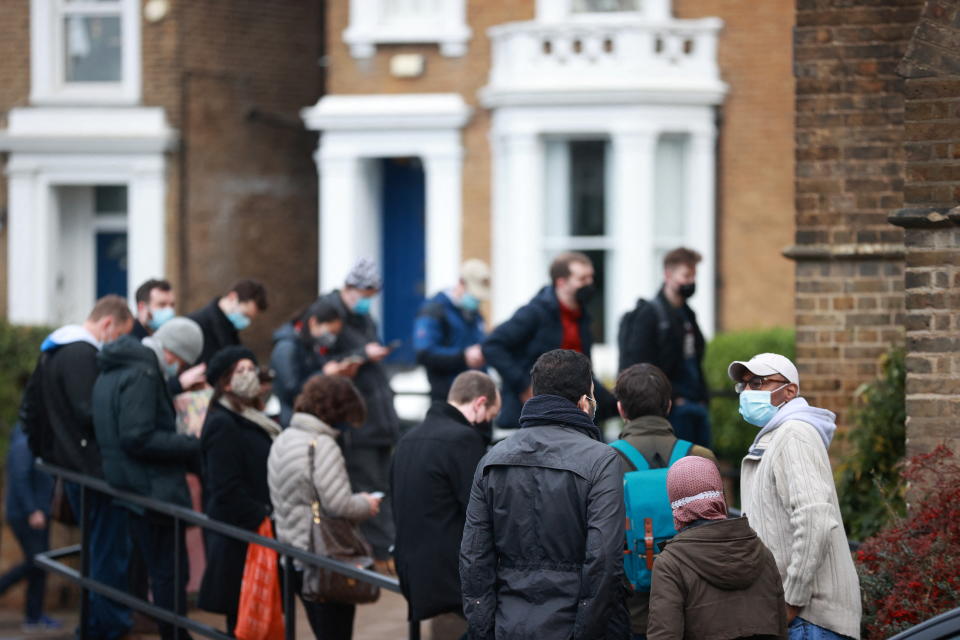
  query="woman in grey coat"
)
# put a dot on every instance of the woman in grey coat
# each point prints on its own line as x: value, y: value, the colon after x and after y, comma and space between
x: 325, y: 401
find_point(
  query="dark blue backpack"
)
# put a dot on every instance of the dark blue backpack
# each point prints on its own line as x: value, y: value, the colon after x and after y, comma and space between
x: 649, y: 516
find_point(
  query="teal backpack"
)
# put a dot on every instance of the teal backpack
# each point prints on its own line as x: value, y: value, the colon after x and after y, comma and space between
x: 649, y: 516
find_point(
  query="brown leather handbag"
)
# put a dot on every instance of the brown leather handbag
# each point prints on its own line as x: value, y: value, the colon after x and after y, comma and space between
x: 340, y: 539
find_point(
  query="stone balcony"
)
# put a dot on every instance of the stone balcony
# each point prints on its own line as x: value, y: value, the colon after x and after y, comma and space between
x: 604, y: 60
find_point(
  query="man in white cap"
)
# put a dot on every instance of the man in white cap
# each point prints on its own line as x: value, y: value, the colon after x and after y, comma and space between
x: 788, y: 494
x: 449, y: 329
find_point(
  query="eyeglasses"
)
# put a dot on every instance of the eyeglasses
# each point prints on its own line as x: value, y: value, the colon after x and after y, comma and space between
x: 756, y: 382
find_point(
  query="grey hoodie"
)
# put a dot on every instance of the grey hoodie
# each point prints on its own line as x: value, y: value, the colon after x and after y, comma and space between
x: 825, y: 422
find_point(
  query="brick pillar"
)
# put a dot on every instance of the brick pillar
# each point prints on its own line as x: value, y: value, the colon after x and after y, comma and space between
x: 849, y: 177
x: 931, y: 219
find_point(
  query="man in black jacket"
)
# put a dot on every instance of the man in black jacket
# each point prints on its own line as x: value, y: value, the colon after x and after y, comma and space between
x: 556, y: 318
x: 142, y: 451
x: 57, y: 414
x: 225, y: 316
x: 664, y: 332
x: 542, y: 549
x: 431, y: 474
x: 359, y: 353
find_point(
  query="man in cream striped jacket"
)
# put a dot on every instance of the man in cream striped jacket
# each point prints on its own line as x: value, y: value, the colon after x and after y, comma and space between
x: 788, y: 495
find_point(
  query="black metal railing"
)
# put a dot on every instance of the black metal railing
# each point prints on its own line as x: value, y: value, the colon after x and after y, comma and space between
x: 182, y: 516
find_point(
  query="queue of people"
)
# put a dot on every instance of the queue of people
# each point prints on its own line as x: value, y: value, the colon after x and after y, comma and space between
x: 540, y: 535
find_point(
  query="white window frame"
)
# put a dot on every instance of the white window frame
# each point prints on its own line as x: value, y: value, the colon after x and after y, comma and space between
x: 47, y: 42
x: 367, y: 29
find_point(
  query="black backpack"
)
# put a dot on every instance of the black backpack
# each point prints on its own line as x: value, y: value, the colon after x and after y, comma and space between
x: 629, y: 325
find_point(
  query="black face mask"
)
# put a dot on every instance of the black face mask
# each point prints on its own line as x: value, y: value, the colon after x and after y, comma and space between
x: 585, y: 294
x: 687, y: 290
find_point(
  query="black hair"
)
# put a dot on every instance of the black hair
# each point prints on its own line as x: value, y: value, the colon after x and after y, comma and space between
x: 321, y: 310
x: 562, y: 372
x: 251, y: 290
x: 643, y: 390
x: 143, y: 291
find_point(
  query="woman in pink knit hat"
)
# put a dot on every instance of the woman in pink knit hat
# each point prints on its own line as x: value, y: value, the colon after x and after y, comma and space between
x: 715, y: 579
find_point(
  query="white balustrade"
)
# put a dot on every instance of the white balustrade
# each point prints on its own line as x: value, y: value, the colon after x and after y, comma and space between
x: 625, y: 54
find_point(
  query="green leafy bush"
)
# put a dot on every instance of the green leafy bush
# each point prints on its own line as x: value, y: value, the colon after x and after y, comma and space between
x: 731, y: 435
x: 869, y: 484
x: 19, y: 348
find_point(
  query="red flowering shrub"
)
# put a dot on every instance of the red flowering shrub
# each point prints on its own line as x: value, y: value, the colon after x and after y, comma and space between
x: 910, y: 570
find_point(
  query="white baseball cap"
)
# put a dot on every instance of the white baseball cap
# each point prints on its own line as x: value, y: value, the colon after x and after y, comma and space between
x: 765, y: 364
x: 475, y: 275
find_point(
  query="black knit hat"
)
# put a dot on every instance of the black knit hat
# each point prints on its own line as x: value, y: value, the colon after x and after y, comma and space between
x: 223, y: 360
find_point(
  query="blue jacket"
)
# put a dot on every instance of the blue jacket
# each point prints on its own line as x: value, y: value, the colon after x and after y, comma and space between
x: 28, y: 489
x: 516, y: 344
x: 441, y: 333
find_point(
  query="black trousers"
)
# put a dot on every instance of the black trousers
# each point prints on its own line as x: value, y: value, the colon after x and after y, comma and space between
x: 328, y: 620
x: 154, y: 534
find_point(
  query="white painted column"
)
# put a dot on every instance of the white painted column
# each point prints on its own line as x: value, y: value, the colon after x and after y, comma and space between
x: 444, y: 219
x: 339, y: 188
x: 701, y: 215
x: 517, y: 222
x: 30, y: 245
x: 633, y: 216
x: 146, y: 224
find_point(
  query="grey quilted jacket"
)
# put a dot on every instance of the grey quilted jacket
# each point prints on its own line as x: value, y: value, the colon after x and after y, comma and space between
x: 290, y: 481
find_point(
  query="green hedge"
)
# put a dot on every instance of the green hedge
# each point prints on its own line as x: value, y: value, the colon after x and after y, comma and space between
x: 19, y: 348
x: 731, y: 435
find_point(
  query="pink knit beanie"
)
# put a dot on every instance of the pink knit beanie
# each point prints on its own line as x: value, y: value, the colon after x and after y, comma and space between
x: 695, y: 491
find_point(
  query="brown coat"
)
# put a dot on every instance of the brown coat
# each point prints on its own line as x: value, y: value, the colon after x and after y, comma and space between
x: 653, y: 437
x: 716, y: 581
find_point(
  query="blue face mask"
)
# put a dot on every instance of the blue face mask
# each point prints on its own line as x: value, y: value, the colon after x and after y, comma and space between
x: 469, y: 302
x: 158, y: 317
x: 363, y: 306
x: 171, y: 370
x: 755, y: 406
x: 239, y: 320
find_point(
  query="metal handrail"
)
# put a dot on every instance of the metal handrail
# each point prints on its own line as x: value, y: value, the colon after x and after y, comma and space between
x: 181, y: 515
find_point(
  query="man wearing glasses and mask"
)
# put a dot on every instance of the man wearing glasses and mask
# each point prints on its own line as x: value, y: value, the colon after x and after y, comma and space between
x: 788, y: 494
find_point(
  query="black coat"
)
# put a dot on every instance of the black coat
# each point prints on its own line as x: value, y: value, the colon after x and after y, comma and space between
x: 218, y: 331
x: 136, y: 425
x: 643, y: 342
x: 515, y: 345
x: 430, y: 479
x: 382, y: 426
x: 542, y: 549
x: 57, y: 407
x: 235, y: 491
x: 293, y: 360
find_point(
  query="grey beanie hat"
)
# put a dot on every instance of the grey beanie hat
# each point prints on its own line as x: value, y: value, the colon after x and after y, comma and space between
x: 363, y: 275
x: 181, y: 336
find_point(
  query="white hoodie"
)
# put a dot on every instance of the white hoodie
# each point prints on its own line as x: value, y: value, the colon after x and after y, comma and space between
x: 825, y: 422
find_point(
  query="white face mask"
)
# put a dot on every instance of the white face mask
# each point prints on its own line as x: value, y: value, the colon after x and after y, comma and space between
x: 245, y: 384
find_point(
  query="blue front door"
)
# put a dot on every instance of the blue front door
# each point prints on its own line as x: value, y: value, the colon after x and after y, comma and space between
x: 111, y: 263
x: 404, y: 252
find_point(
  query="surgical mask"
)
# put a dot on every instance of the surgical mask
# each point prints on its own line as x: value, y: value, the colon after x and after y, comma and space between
x: 325, y: 339
x: 755, y: 406
x: 585, y: 294
x: 245, y: 384
x: 363, y: 306
x: 239, y: 320
x: 171, y: 369
x: 469, y: 302
x: 159, y: 316
x: 687, y: 290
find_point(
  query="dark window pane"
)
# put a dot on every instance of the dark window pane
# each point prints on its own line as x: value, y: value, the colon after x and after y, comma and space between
x: 587, y: 187
x: 597, y: 305
x: 110, y: 199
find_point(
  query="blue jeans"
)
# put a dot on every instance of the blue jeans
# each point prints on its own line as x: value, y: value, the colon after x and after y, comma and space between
x: 801, y: 629
x: 109, y: 557
x: 32, y: 541
x: 691, y: 422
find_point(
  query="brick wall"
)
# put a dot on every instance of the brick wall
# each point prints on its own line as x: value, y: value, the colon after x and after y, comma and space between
x: 931, y: 220
x: 849, y: 177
